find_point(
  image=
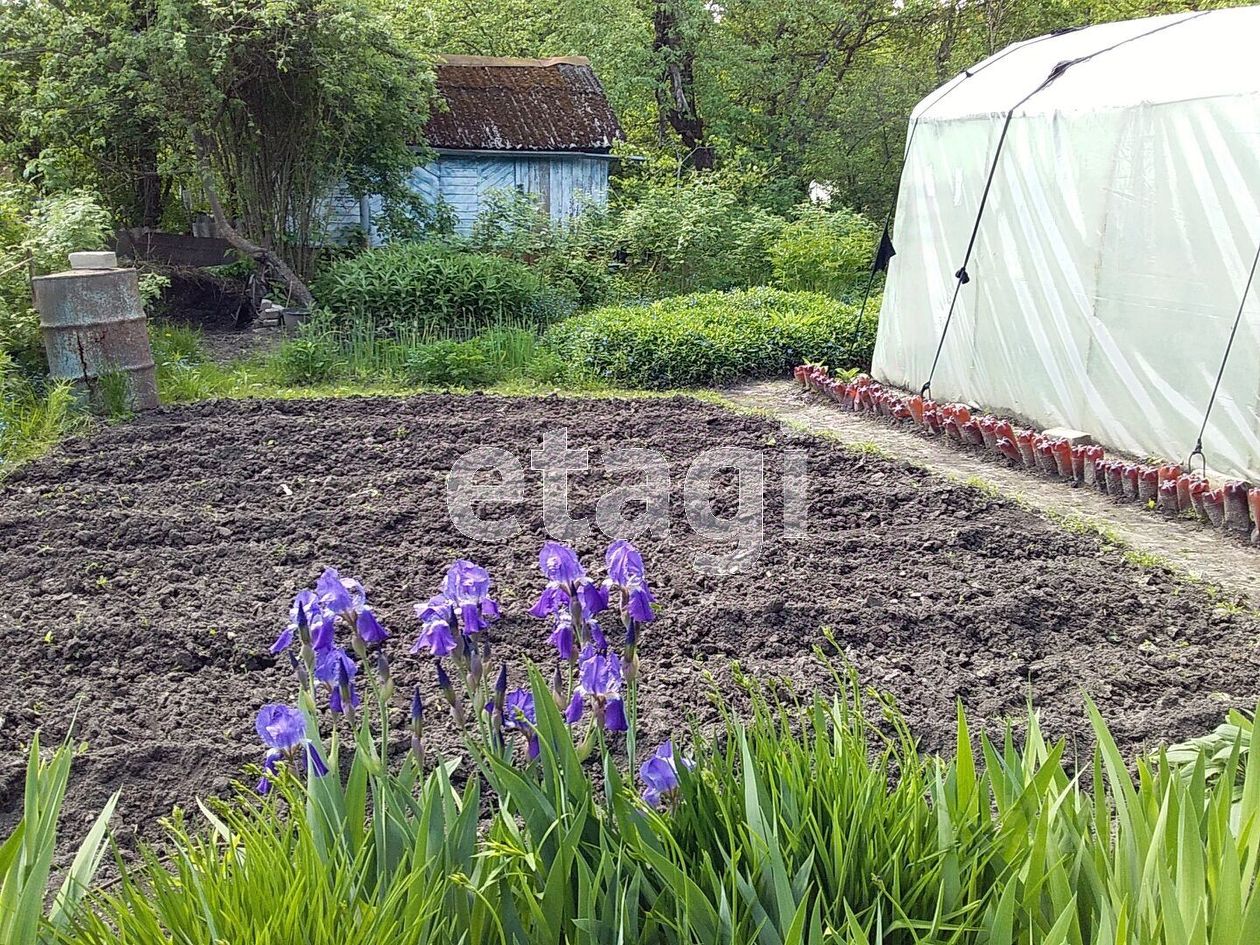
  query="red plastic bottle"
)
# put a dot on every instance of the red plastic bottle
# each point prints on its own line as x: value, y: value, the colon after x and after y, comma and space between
x: 1167, y: 502
x: 1024, y: 440
x: 915, y: 404
x: 1092, y: 467
x: 1062, y: 452
x: 1115, y: 478
x: 1199, y: 490
x: 1147, y: 484
x: 1129, y: 476
x: 1006, y: 446
x: 1045, y: 456
x: 952, y: 430
x: 1183, y: 492
x: 1214, y: 506
x: 971, y: 433
x: 988, y: 431
x: 1078, y: 463
x: 1253, y: 499
x: 1237, y: 516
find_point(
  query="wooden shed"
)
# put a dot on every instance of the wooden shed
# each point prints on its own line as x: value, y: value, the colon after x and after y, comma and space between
x: 539, y: 126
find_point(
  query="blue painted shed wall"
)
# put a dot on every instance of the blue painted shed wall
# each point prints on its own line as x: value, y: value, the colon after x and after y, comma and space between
x: 564, y: 185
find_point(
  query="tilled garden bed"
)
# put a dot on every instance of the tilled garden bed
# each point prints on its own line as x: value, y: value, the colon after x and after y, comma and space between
x: 146, y: 569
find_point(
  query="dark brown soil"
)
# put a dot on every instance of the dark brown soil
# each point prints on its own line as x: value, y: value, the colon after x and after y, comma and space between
x: 204, y: 299
x: 145, y: 570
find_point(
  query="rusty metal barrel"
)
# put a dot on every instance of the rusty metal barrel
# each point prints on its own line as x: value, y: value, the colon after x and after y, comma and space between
x: 96, y: 335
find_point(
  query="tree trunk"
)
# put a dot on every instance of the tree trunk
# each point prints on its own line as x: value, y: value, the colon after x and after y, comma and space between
x: 149, y: 185
x: 675, y: 91
x: 266, y: 258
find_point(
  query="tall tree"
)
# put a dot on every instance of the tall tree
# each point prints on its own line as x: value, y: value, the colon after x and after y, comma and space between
x: 678, y: 27
x: 268, y: 105
x: 280, y: 103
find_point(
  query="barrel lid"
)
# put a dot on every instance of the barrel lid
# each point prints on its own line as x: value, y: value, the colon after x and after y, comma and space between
x: 81, y: 273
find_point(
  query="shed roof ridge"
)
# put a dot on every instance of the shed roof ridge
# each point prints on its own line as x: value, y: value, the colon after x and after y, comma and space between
x: 493, y: 61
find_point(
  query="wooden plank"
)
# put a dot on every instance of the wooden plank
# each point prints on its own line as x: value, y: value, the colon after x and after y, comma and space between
x: 174, y: 249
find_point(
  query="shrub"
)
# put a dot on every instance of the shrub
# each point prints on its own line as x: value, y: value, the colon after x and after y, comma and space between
x: 586, y: 281
x: 313, y: 358
x: 448, y: 364
x: 698, y: 231
x: 711, y: 338
x: 826, y: 251
x: 39, y: 233
x: 437, y: 291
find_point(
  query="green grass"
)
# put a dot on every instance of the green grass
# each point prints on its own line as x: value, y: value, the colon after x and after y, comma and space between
x: 33, y: 417
x: 26, y: 855
x: 812, y: 821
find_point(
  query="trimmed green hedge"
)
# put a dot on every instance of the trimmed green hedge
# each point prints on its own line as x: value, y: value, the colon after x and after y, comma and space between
x: 710, y: 338
x: 437, y: 291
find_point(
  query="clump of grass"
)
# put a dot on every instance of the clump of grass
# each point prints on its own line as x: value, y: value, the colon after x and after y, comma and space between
x: 113, y: 396
x: 812, y: 822
x: 330, y: 351
x: 34, y: 415
x: 26, y: 856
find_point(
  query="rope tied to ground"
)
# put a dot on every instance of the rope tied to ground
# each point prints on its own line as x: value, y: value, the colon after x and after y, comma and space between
x: 1220, y: 374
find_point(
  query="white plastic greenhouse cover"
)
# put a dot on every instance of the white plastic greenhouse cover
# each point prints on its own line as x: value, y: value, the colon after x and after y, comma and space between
x: 1119, y: 232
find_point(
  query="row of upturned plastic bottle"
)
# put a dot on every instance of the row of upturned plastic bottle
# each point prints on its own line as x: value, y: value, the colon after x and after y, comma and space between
x: 1233, y: 507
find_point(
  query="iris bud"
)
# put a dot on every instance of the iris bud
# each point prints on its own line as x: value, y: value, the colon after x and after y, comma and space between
x: 303, y: 677
x: 557, y: 687
x: 448, y: 693
x: 417, y: 726
x: 383, y: 674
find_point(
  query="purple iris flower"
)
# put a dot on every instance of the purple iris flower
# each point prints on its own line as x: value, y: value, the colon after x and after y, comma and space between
x: 436, y: 634
x: 338, y: 594
x: 518, y: 710
x: 270, y: 765
x: 556, y: 603
x: 599, y: 681
x: 660, y: 774
x: 625, y: 571
x: 573, y: 711
x: 560, y: 565
x: 562, y: 637
x: 282, y: 729
x: 552, y: 599
x: 369, y: 628
x: 319, y: 622
x: 519, y: 716
x: 335, y: 668
x: 467, y: 587
x: 624, y: 562
x: 594, y: 599
x: 600, y: 675
x: 598, y: 640
x: 615, y: 716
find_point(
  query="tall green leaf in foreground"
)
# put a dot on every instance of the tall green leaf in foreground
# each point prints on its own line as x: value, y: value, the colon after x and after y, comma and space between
x: 26, y: 857
x: 799, y: 822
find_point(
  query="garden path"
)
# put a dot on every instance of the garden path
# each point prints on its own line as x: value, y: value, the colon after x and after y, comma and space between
x: 1184, y: 545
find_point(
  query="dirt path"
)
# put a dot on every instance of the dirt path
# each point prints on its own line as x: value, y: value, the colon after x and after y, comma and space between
x: 1197, y: 550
